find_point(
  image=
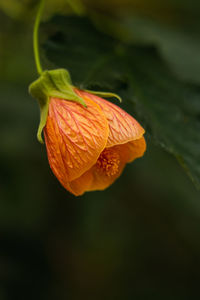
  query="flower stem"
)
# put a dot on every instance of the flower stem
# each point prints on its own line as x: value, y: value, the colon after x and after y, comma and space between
x: 35, y: 37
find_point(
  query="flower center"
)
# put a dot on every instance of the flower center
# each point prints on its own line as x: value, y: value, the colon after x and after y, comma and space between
x: 108, y: 162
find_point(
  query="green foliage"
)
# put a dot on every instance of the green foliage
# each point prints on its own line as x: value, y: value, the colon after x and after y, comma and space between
x: 179, y: 44
x: 167, y: 106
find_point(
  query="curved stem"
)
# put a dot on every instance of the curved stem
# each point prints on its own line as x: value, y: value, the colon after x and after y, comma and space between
x: 35, y: 37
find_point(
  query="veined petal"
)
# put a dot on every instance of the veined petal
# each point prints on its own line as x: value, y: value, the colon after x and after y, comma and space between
x: 75, y: 136
x: 122, y: 127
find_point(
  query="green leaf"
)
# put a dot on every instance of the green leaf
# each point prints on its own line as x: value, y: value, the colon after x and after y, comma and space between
x: 168, y: 107
x: 171, y: 109
x: 179, y: 46
x: 79, y: 46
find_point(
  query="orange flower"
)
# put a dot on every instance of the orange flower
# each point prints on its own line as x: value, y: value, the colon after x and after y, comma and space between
x: 88, y: 147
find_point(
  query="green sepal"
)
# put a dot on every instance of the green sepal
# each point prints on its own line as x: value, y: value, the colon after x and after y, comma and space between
x: 54, y: 83
x: 105, y: 94
x: 43, y: 119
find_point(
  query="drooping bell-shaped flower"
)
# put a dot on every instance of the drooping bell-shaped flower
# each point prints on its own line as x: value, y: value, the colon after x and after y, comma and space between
x: 88, y: 139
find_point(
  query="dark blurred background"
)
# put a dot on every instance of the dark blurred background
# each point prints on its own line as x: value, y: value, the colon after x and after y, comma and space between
x: 139, y: 239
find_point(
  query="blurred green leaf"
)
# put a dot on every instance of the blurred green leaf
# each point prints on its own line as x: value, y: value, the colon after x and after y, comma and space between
x: 178, y: 44
x: 172, y: 26
x: 171, y: 109
x: 168, y: 107
x: 78, y: 46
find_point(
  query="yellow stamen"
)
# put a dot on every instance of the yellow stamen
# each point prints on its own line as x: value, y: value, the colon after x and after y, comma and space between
x: 108, y: 162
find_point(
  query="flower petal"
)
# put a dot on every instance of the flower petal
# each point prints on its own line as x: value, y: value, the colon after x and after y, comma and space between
x: 122, y: 127
x: 136, y: 149
x: 94, y: 179
x: 133, y: 150
x: 100, y: 179
x: 75, y: 136
x: 80, y: 185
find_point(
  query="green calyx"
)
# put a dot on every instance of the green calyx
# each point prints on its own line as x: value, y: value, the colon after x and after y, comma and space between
x: 105, y: 94
x: 53, y: 83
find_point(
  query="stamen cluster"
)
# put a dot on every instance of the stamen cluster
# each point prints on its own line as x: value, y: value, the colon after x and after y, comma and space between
x: 108, y: 162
